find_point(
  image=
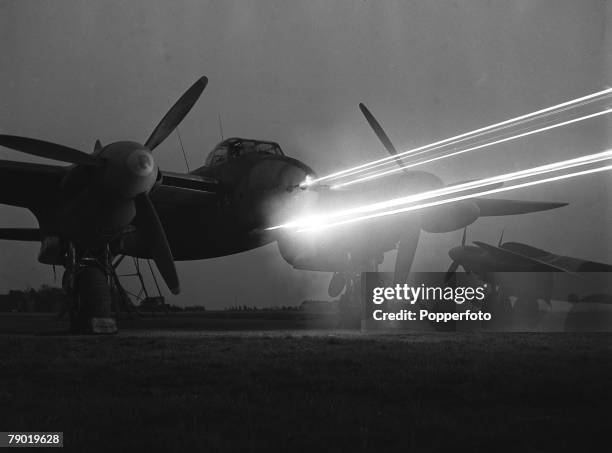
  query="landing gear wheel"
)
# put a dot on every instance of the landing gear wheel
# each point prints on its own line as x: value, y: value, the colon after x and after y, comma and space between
x: 91, y: 312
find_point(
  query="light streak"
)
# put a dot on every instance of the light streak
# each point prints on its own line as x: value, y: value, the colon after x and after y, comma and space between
x: 473, y: 148
x: 465, y: 135
x: 488, y: 136
x: 375, y: 174
x: 450, y: 190
x: 459, y: 198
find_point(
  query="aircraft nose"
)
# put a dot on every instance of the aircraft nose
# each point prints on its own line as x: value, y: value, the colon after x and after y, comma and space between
x: 271, y: 189
x: 278, y: 175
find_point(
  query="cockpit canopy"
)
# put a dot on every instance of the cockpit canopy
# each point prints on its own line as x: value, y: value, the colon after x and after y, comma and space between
x: 233, y: 148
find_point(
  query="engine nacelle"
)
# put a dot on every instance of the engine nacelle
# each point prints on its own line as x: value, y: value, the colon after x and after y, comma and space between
x: 450, y: 217
x: 307, y: 253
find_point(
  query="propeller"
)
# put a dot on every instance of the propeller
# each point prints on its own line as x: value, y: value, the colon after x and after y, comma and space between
x: 136, y: 183
x: 409, y: 240
x: 454, y: 266
x: 150, y: 224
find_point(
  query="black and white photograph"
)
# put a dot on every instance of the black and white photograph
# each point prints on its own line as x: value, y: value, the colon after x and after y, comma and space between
x: 304, y: 226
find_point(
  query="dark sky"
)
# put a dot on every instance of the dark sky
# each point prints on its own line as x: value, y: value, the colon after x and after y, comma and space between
x: 294, y: 72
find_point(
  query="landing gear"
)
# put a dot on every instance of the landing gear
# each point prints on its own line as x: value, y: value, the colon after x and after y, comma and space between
x: 87, y: 281
x: 349, y: 304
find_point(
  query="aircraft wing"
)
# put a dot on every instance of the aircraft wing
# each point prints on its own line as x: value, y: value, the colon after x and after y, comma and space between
x: 596, y: 299
x: 567, y: 262
x: 491, y: 207
x: 180, y: 189
x: 20, y: 234
x: 26, y: 184
x: 519, y: 259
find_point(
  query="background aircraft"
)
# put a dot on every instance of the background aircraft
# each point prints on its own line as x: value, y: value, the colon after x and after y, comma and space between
x: 116, y: 201
x: 529, y: 274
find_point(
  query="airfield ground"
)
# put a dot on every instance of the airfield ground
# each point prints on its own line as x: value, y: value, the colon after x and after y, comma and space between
x: 180, y: 386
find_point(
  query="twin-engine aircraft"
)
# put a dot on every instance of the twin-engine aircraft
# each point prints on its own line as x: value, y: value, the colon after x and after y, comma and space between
x: 116, y: 201
x: 529, y: 274
x: 482, y: 258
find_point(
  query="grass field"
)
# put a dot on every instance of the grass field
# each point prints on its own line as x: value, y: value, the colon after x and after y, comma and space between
x: 310, y: 390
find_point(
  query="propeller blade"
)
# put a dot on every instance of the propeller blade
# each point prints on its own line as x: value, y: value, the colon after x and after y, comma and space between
x: 450, y: 273
x: 464, y: 236
x: 176, y: 114
x: 406, y: 250
x: 155, y: 236
x: 49, y: 150
x: 378, y: 130
x: 388, y: 144
x: 501, y: 238
x: 380, y: 133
